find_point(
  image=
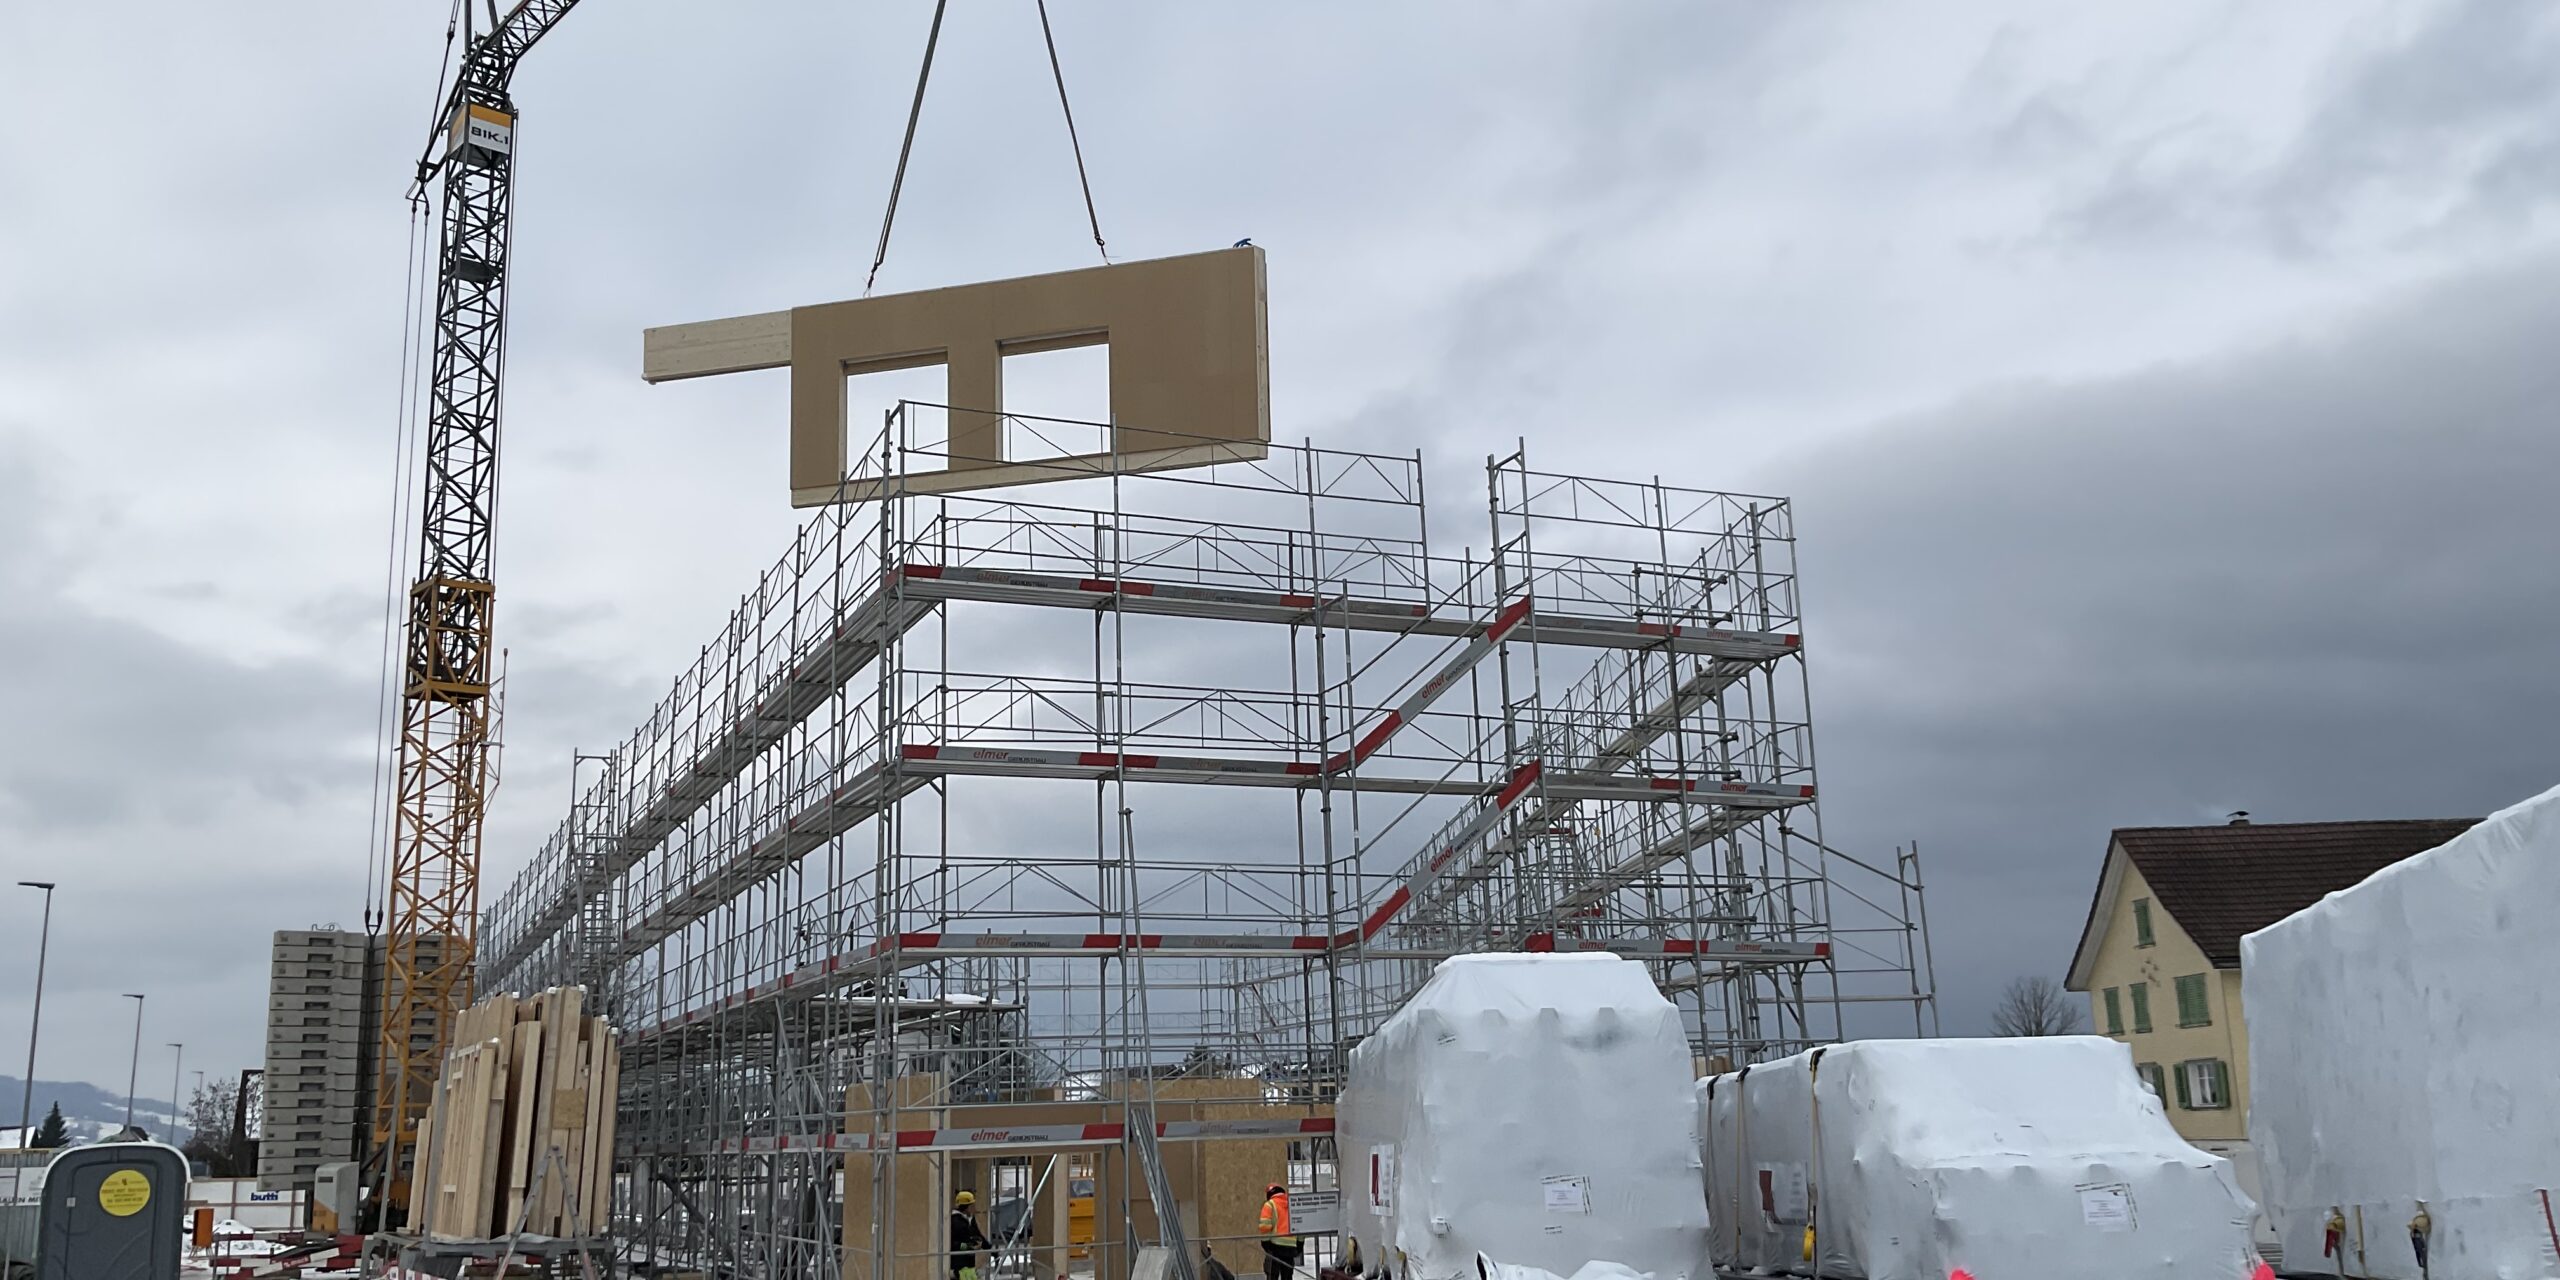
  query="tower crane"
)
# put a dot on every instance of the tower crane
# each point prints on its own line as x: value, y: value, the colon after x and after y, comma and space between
x: 443, y: 753
x: 442, y: 771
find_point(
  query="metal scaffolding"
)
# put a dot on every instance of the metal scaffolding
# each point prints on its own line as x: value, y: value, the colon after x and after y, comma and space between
x: 1058, y: 793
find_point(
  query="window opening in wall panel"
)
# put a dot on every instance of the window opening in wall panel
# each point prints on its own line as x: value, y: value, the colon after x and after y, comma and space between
x: 1057, y: 397
x: 871, y: 394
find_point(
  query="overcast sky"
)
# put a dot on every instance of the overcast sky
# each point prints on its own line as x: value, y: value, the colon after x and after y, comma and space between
x: 2166, y: 389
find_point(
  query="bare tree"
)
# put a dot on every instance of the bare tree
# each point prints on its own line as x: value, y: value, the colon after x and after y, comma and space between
x: 213, y: 1117
x: 2038, y: 1006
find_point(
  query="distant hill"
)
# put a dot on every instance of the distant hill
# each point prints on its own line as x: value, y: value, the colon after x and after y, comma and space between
x: 89, y: 1111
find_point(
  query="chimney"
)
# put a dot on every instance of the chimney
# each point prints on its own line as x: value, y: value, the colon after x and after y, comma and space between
x: 2239, y: 817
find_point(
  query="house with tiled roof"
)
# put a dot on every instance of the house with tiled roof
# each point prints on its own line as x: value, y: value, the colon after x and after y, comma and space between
x: 2159, y: 957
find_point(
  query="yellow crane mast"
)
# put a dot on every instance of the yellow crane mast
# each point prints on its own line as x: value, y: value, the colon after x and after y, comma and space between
x: 432, y: 911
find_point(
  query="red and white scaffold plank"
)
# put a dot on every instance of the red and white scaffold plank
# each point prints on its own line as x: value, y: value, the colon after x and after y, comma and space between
x: 848, y: 650
x: 909, y: 950
x: 1679, y: 948
x: 1627, y: 633
x: 1465, y: 660
x: 831, y: 815
x: 1017, y: 586
x: 1001, y: 1136
x: 1045, y: 762
x: 718, y: 761
x: 1137, y: 595
x: 1037, y: 762
x: 1455, y: 843
x: 1462, y: 840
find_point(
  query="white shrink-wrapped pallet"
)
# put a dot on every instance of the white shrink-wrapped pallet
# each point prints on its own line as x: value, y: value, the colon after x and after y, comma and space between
x: 1534, y: 1108
x: 2036, y: 1159
x: 2404, y: 1046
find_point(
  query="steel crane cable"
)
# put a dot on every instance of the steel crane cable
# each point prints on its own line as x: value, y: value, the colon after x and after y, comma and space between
x: 436, y: 123
x: 1059, y: 74
x: 413, y: 303
x: 915, y: 109
x: 404, y: 460
x: 932, y: 37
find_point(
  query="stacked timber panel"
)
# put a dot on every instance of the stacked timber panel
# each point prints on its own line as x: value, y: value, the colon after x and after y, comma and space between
x: 519, y: 1135
x: 323, y: 1007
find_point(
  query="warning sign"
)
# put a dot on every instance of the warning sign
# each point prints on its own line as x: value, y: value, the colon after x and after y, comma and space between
x: 124, y: 1192
x: 1315, y: 1213
x: 2107, y: 1206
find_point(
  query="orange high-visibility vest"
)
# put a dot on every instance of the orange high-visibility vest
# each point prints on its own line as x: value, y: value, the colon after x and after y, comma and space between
x: 1275, y: 1219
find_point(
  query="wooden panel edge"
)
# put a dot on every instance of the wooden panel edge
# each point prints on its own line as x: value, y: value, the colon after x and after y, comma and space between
x: 707, y: 347
x: 1087, y: 466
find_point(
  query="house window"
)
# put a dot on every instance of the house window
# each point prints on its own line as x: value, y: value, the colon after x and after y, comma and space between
x: 2192, y: 1011
x: 2115, y: 1013
x: 2142, y: 922
x: 2141, y: 1006
x: 2152, y: 1079
x: 2204, y: 1084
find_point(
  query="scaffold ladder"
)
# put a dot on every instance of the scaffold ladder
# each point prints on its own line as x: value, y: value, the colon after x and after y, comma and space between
x: 1142, y: 1139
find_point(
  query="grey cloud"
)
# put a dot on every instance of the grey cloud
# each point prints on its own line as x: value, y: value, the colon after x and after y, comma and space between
x: 2310, y: 580
x: 74, y: 760
x: 186, y: 801
x: 2418, y: 136
x: 2466, y: 95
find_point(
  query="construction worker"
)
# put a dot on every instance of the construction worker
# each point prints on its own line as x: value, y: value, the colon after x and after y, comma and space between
x: 1280, y: 1250
x: 966, y: 1238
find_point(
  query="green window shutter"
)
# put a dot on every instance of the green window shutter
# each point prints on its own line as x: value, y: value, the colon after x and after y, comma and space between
x: 2192, y: 1009
x: 2221, y: 1083
x: 2142, y: 922
x: 2180, y: 1071
x: 2115, y: 1014
x: 2142, y: 1006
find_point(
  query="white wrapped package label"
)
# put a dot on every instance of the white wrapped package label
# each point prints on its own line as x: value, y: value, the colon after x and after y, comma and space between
x: 1567, y: 1195
x: 2404, y: 1052
x: 1532, y: 1109
x: 2040, y: 1159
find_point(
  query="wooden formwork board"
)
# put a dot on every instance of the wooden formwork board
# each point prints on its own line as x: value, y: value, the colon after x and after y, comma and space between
x: 519, y: 1129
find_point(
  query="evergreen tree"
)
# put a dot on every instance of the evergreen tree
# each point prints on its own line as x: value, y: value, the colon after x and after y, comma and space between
x: 52, y: 1133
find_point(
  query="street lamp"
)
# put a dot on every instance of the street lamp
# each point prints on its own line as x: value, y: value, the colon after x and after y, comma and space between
x: 175, y: 1111
x: 44, y: 941
x: 133, y: 1073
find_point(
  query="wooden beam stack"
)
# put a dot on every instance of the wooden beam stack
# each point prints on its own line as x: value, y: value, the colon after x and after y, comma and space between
x: 519, y: 1135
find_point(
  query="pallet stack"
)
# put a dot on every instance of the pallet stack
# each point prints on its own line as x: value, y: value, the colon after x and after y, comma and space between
x: 519, y: 1135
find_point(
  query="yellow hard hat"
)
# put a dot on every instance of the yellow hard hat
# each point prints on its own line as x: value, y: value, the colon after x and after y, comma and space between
x: 964, y: 1199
